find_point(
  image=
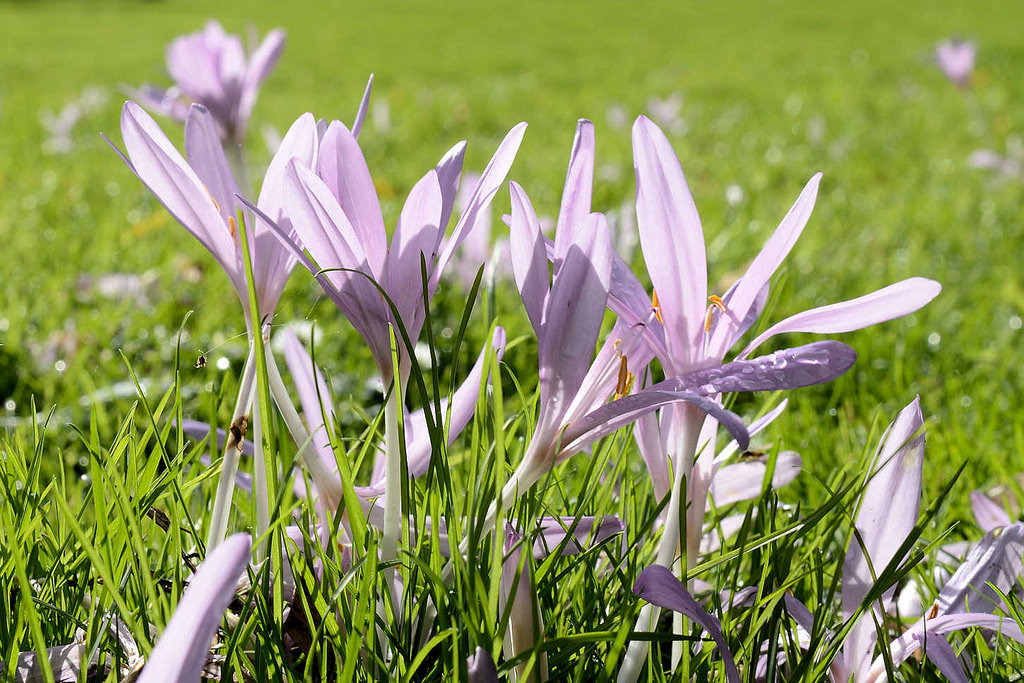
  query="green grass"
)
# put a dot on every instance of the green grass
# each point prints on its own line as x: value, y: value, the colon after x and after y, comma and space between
x: 772, y: 92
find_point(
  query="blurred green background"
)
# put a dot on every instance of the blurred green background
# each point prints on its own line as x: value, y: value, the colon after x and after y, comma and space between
x: 756, y: 97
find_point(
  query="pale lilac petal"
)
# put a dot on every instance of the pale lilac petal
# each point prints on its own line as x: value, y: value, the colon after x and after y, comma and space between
x: 579, y: 185
x: 481, y: 667
x: 490, y: 180
x: 415, y: 237
x: 801, y: 366
x: 671, y: 238
x: 181, y: 651
x: 894, y: 301
x: 65, y: 661
x: 206, y: 157
x: 163, y: 170
x: 714, y: 536
x: 888, y: 512
x: 941, y: 654
x: 449, y: 172
x: 651, y: 442
x: 764, y: 265
x: 314, y: 398
x: 529, y: 258
x: 343, y: 168
x: 659, y: 586
x: 573, y: 314
x: 163, y: 101
x: 744, y: 480
x: 621, y: 412
x: 629, y: 300
x: 901, y: 649
x: 364, y: 106
x: 990, y: 568
x: 261, y: 63
x: 988, y: 513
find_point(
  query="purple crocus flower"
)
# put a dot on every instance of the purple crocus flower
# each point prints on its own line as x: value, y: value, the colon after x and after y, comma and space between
x: 180, y: 654
x: 211, y: 68
x: 887, y: 514
x: 956, y: 59
x: 202, y: 194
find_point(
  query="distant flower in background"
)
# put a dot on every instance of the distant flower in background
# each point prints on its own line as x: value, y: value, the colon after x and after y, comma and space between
x: 60, y: 126
x: 212, y: 68
x: 956, y: 59
x: 1009, y: 165
x: 665, y: 112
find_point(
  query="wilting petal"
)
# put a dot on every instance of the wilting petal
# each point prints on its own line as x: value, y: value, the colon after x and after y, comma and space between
x: 761, y: 270
x: 490, y: 180
x: 529, y: 258
x: 888, y: 512
x: 572, y: 318
x: 801, y: 366
x: 481, y: 667
x: 579, y: 185
x: 364, y: 106
x: 181, y: 651
x: 612, y: 416
x: 924, y: 632
x: 894, y: 301
x: 671, y: 238
x: 988, y: 513
x: 344, y: 171
x: 992, y: 565
x: 659, y: 586
x: 743, y: 480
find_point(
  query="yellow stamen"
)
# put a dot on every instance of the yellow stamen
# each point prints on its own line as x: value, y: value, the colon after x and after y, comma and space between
x: 716, y: 302
x: 656, y: 306
x: 232, y: 227
x: 210, y: 195
x: 625, y: 381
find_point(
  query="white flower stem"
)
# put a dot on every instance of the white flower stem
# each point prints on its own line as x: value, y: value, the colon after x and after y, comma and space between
x: 668, y: 550
x: 393, y: 479
x: 229, y: 465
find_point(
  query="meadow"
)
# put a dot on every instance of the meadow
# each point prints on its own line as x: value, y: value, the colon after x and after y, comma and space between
x: 102, y: 294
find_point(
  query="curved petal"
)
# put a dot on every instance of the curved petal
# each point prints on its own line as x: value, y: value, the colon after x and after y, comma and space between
x: 988, y: 513
x: 659, y: 586
x: 364, y: 107
x: 761, y: 270
x: 481, y: 667
x: 181, y: 651
x: 801, y: 366
x: 671, y: 238
x: 449, y: 172
x: 894, y: 301
x: 261, y: 63
x: 901, y: 649
x: 994, y: 564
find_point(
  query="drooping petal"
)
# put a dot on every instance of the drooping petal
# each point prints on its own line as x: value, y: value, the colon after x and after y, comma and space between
x: 659, y: 586
x: 490, y: 180
x: 671, y: 238
x: 801, y: 366
x: 761, y: 270
x: 894, y: 301
x: 621, y: 412
x: 994, y: 564
x: 941, y: 654
x: 529, y: 258
x: 744, y: 480
x: 181, y: 651
x: 888, y: 512
x: 579, y: 184
x: 343, y: 169
x: 989, y: 514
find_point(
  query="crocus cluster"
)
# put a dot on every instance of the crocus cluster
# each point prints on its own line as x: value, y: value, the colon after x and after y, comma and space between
x: 665, y: 368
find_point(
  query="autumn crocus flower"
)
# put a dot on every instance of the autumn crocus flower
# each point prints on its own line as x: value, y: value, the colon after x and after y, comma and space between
x: 211, y: 67
x: 956, y: 59
x: 691, y: 330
